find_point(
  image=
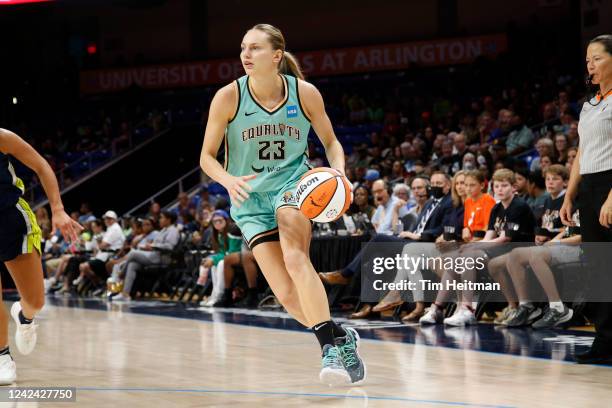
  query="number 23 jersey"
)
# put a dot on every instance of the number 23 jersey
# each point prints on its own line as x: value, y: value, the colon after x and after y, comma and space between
x: 273, y: 144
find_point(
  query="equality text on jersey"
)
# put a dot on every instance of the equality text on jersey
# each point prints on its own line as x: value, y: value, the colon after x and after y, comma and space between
x: 271, y: 130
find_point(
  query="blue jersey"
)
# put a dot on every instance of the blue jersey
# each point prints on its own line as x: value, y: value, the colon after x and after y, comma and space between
x: 270, y: 143
x: 11, y: 187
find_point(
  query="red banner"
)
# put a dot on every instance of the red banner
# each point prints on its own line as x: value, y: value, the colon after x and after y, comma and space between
x: 5, y: 2
x: 316, y: 63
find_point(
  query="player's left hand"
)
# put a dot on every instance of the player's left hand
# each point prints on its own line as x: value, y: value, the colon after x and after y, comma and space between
x: 69, y: 228
x: 605, y: 215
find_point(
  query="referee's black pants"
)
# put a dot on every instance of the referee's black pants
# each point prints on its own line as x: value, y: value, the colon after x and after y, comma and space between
x: 593, y: 192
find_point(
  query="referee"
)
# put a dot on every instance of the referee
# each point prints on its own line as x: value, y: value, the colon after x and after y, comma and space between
x: 591, y: 181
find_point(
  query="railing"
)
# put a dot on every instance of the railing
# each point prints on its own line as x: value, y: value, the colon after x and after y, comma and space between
x: 168, y: 194
x: 84, y: 167
x: 37, y: 196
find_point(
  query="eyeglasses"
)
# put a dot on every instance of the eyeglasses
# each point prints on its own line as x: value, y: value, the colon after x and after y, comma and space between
x: 218, y: 220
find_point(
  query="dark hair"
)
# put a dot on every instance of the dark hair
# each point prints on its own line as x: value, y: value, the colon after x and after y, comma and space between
x: 170, y: 215
x: 216, y: 235
x: 522, y: 171
x: 98, y: 222
x: 443, y: 174
x: 536, y: 177
x: 353, y: 208
x: 475, y: 174
x: 606, y: 41
x: 221, y: 203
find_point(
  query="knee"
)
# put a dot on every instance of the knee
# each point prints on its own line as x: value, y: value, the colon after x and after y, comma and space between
x: 534, y: 258
x: 495, y: 269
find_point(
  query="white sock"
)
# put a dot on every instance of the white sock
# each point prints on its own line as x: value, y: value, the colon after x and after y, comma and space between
x: 524, y: 303
x: 558, y: 306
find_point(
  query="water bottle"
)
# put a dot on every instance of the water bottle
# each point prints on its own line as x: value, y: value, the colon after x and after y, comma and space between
x: 399, y: 227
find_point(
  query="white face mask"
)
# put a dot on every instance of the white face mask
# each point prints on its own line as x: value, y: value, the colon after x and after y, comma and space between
x: 469, y: 166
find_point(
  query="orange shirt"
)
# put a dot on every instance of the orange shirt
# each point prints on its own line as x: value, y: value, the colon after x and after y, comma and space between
x: 476, y: 215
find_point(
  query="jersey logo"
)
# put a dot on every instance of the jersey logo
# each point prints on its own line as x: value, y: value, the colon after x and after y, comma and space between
x: 288, y: 198
x: 292, y: 111
x: 249, y: 114
x: 256, y: 170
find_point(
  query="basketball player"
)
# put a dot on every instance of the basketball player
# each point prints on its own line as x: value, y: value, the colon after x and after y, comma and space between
x: 264, y: 118
x: 20, y: 245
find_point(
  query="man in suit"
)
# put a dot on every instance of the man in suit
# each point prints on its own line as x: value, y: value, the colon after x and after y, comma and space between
x: 429, y: 225
x: 431, y: 220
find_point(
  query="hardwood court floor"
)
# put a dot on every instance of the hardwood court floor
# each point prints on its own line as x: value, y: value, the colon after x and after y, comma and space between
x: 121, y: 359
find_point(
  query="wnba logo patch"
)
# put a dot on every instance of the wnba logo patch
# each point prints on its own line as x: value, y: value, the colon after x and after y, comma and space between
x: 292, y: 111
x: 288, y: 198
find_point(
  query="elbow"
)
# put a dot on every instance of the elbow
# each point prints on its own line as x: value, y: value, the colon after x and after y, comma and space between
x: 204, y: 162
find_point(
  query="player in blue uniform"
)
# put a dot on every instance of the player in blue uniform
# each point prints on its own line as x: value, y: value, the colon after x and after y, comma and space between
x: 20, y: 240
x: 264, y: 119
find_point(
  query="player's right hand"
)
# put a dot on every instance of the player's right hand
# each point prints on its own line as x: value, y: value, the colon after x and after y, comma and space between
x: 237, y: 188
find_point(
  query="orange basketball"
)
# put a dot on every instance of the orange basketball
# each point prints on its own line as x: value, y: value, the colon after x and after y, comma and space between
x: 323, y: 194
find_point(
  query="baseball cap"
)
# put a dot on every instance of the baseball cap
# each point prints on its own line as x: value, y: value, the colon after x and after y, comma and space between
x: 372, y: 175
x: 110, y: 214
x: 220, y: 213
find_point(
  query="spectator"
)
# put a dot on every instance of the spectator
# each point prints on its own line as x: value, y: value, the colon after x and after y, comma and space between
x: 245, y: 258
x: 202, y: 199
x: 459, y: 145
x: 110, y: 243
x: 145, y: 237
x: 478, y: 207
x: 545, y: 147
x: 383, y: 216
x: 545, y: 162
x: 226, y: 239
x: 448, y: 162
x: 572, y: 134
x: 556, y: 182
x: 420, y: 192
x: 521, y: 185
x: 469, y: 162
x: 44, y: 222
x: 183, y: 207
x: 155, y: 253
x: 561, y: 148
x: 536, y: 186
x: 154, y: 211
x: 520, y: 137
x: 361, y: 203
x: 85, y: 214
x: 370, y: 177
x: 571, y: 156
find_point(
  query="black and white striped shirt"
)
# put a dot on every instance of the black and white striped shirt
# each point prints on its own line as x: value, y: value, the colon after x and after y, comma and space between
x: 595, y: 130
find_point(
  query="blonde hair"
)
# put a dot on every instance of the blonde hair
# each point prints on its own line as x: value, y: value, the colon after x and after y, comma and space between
x: 557, y: 170
x: 504, y: 175
x: 476, y: 175
x: 454, y: 194
x: 288, y: 64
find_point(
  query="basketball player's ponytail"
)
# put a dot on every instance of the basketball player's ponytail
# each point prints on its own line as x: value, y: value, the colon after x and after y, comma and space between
x: 288, y: 64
